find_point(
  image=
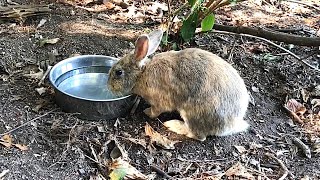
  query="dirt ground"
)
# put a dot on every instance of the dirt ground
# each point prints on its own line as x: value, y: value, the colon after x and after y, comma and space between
x: 60, y: 145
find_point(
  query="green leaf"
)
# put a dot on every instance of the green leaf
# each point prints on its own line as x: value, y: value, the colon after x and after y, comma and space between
x: 270, y: 57
x: 189, y: 27
x: 118, y: 174
x: 192, y: 2
x: 195, y: 5
x: 175, y: 46
x: 164, y: 39
x: 207, y: 23
x: 233, y: 2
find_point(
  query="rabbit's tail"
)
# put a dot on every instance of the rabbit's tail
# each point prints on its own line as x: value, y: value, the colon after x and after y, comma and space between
x: 234, y: 126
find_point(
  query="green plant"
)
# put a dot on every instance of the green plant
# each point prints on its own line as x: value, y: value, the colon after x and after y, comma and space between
x: 201, y: 13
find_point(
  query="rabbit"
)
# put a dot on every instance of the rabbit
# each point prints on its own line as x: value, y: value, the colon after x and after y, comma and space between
x: 208, y: 92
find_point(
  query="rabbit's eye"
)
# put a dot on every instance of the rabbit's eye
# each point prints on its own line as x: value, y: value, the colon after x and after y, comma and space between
x: 119, y: 72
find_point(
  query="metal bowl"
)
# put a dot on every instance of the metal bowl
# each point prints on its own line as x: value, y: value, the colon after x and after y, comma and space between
x: 80, y: 85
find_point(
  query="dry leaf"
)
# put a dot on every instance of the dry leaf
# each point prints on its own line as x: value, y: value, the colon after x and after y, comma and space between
x: 241, y: 149
x: 123, y: 170
x: 6, y: 140
x: 109, y: 5
x: 293, y: 105
x: 295, y: 108
x: 117, y: 123
x: 255, y: 89
x: 41, y: 90
x: 306, y: 177
x: 48, y: 41
x: 101, y: 129
x: 41, y: 23
x: 158, y: 138
x: 21, y: 147
x: 239, y: 170
x: 40, y: 104
x: 315, y: 103
x: 141, y: 142
x: 6, y: 144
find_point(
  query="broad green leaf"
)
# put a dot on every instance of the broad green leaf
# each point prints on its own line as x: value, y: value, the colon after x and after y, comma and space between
x: 189, y: 27
x: 118, y: 174
x: 207, y: 23
x: 192, y: 2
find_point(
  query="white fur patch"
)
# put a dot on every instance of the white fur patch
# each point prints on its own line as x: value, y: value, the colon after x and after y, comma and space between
x: 143, y: 62
x: 238, y: 126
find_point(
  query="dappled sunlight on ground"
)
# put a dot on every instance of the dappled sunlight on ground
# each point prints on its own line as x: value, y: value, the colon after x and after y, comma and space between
x: 94, y: 27
x: 251, y: 13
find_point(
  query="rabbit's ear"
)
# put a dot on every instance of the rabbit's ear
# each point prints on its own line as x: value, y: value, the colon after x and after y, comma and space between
x: 141, y: 48
x: 155, y: 39
x: 147, y: 45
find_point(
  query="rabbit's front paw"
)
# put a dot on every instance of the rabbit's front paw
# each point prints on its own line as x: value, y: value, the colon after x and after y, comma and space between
x: 151, y: 113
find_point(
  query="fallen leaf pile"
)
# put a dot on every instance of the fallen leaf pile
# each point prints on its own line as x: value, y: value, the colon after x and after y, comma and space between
x: 7, y: 141
x: 238, y: 170
x: 306, y: 113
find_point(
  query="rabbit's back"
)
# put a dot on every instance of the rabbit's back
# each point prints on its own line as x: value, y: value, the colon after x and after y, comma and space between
x: 194, y: 73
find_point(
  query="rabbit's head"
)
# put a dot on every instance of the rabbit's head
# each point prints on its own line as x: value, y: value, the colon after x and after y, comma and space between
x: 124, y: 74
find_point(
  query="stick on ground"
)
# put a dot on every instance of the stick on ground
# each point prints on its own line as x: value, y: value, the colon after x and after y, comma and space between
x: 160, y: 172
x: 272, y: 43
x: 284, y: 167
x: 41, y: 116
x: 301, y: 145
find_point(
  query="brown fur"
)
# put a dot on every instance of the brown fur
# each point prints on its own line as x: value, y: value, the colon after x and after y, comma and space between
x: 207, y: 91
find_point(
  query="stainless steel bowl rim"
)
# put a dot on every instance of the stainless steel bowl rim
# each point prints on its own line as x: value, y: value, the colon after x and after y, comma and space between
x: 77, y: 97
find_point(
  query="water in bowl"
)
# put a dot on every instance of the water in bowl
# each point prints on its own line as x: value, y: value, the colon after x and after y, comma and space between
x: 90, y: 85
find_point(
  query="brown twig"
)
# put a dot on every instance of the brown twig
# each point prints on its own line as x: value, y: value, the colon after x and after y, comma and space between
x: 41, y: 116
x: 272, y: 43
x: 230, y: 55
x: 286, y: 30
x: 211, y: 4
x: 271, y: 35
x: 44, y: 76
x: 135, y: 105
x: 18, y: 12
x: 200, y: 161
x: 161, y: 172
x: 284, y: 168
